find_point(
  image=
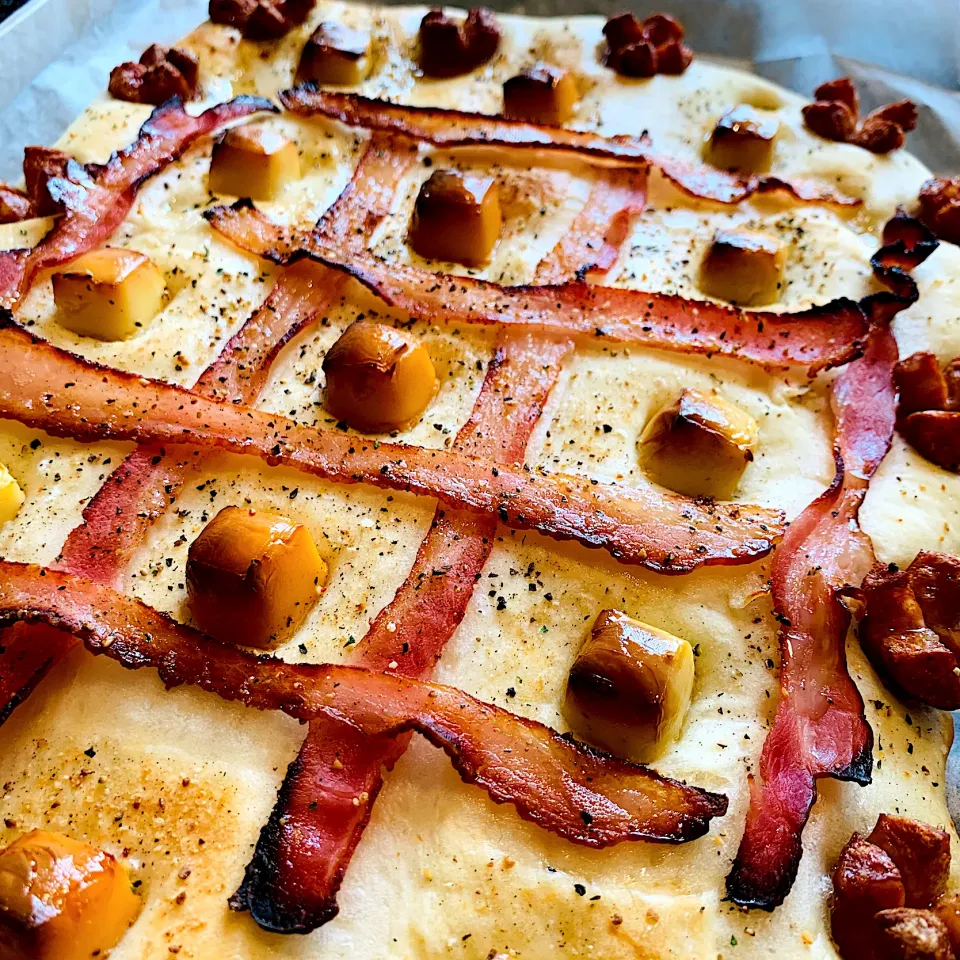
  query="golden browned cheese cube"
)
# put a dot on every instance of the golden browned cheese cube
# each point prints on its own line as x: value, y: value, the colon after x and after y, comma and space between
x: 11, y: 496
x: 336, y: 55
x: 379, y: 378
x: 61, y: 899
x: 541, y: 94
x: 110, y: 294
x: 743, y: 140
x: 629, y: 688
x: 743, y: 267
x: 457, y: 217
x: 253, y: 161
x: 698, y: 445
x: 252, y: 577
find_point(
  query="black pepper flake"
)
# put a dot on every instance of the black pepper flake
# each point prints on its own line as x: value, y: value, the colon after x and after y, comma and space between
x: 580, y: 889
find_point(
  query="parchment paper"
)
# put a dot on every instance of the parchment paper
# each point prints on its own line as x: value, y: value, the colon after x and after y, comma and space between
x: 57, y: 54
x: 56, y: 57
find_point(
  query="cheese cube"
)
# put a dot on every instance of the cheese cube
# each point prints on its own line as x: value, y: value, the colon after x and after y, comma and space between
x: 62, y: 899
x: 698, y: 445
x: 252, y: 577
x: 11, y: 496
x: 743, y: 267
x: 110, y: 294
x: 254, y: 161
x: 629, y: 688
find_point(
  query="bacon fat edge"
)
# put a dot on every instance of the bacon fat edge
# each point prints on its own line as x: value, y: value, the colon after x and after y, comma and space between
x: 579, y: 794
x: 328, y: 794
x: 97, y: 197
x: 820, y: 729
x: 456, y: 128
x: 820, y: 337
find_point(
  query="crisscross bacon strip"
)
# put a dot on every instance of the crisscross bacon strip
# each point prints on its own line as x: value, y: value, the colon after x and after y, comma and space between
x: 96, y: 197
x: 819, y: 729
x: 563, y: 786
x: 820, y: 337
x: 456, y: 128
x: 592, y: 244
x: 329, y: 791
x: 45, y: 387
x: 139, y: 491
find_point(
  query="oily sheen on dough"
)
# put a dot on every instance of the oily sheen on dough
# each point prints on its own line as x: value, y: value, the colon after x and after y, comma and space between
x: 179, y: 783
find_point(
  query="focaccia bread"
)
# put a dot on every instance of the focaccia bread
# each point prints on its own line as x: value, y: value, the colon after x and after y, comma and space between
x: 177, y: 784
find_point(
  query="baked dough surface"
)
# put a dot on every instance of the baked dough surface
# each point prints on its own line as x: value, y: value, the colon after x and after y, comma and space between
x: 179, y: 783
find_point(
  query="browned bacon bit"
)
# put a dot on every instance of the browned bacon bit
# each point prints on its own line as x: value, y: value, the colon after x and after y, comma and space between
x: 456, y: 128
x: 865, y: 881
x: 835, y: 113
x: 663, y: 532
x: 940, y: 207
x: 40, y: 165
x: 906, y: 933
x: 638, y: 48
x: 143, y: 486
x: 911, y: 632
x: 580, y: 794
x: 816, y: 338
x: 882, y: 888
x: 96, y: 197
x: 449, y: 48
x: 928, y: 415
x: 261, y: 19
x: 921, y: 853
x: 820, y: 729
x: 161, y: 73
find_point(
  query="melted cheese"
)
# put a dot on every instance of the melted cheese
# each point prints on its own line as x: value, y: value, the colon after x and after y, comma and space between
x: 179, y: 783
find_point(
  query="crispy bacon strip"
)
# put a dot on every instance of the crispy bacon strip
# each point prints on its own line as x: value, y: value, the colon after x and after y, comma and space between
x: 304, y: 850
x: 820, y: 337
x: 456, y: 128
x: 579, y: 794
x: 327, y: 797
x: 819, y: 729
x: 139, y: 491
x: 592, y: 245
x: 97, y: 197
x: 49, y: 388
